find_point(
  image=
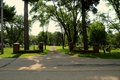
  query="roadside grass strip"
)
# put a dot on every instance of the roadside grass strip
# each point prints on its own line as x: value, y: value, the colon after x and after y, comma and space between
x: 113, y: 55
x: 8, y: 52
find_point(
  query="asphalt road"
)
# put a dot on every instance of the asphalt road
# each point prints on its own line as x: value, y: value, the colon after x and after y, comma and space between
x: 59, y: 66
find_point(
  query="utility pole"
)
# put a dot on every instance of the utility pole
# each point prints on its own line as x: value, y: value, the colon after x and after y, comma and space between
x: 2, y: 49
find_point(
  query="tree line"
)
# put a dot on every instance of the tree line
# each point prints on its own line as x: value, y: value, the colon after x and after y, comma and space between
x: 52, y: 38
x: 71, y: 16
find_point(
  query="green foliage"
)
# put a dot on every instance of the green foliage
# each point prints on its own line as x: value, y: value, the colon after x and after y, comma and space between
x: 97, y: 33
x: 66, y: 13
x: 9, y: 12
x: 91, y: 5
x: 31, y: 1
x: 115, y: 26
x: 40, y: 37
x: 52, y: 38
x: 112, y: 24
x: 62, y: 14
x: 14, y: 29
x: 118, y: 38
x: 116, y: 5
x: 32, y: 39
x: 113, y: 39
x: 57, y: 38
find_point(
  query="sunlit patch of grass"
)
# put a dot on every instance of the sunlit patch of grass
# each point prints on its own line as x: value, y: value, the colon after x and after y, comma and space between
x: 8, y: 52
x: 113, y: 55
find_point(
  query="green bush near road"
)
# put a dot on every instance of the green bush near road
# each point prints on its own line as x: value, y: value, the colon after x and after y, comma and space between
x: 113, y: 55
x: 8, y: 52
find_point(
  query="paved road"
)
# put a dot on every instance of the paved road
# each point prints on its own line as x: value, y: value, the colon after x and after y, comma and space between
x: 59, y: 66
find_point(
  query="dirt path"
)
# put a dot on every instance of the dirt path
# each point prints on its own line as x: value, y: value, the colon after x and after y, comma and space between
x: 53, y: 48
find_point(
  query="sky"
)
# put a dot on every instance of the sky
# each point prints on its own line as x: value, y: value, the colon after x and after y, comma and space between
x: 19, y: 4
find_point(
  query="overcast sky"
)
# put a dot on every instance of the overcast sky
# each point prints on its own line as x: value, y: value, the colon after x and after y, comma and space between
x: 19, y: 4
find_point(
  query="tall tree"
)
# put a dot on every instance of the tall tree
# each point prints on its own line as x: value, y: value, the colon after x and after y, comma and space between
x: 43, y: 18
x: 9, y: 13
x: 97, y: 33
x: 41, y: 38
x: 62, y: 14
x: 2, y: 50
x: 50, y: 38
x: 118, y: 38
x: 84, y: 26
x: 85, y: 8
x: 67, y: 13
x: 14, y: 29
x: 57, y: 38
x: 26, y: 28
x: 116, y: 6
x: 111, y: 23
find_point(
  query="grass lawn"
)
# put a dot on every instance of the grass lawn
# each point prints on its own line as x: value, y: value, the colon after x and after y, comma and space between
x: 114, y: 53
x: 8, y: 52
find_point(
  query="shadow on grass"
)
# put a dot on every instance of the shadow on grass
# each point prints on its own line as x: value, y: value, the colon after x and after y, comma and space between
x: 101, y: 55
x: 17, y: 55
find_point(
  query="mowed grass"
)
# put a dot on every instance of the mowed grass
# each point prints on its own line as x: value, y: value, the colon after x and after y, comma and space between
x: 113, y: 55
x: 8, y: 52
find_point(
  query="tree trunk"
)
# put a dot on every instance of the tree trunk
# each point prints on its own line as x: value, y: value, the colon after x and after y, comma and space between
x: 84, y: 27
x: 2, y: 48
x: 26, y: 28
x: 62, y: 40
x: 45, y: 39
x: 75, y: 35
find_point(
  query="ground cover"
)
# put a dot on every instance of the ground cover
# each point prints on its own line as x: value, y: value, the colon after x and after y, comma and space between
x: 8, y: 52
x: 113, y: 55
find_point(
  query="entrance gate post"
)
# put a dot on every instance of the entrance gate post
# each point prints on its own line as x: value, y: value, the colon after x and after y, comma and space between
x: 41, y: 46
x: 71, y: 46
x: 16, y: 47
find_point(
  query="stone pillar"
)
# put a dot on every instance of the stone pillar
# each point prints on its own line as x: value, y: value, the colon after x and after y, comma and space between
x: 96, y: 48
x: 41, y: 46
x: 71, y: 46
x: 16, y: 47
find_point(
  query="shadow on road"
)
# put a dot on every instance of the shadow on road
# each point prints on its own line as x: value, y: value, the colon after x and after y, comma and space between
x: 8, y: 63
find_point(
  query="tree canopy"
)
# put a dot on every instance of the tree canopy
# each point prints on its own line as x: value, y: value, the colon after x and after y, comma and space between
x: 9, y: 12
x: 116, y: 6
x: 97, y: 33
x: 67, y: 13
x: 31, y: 1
